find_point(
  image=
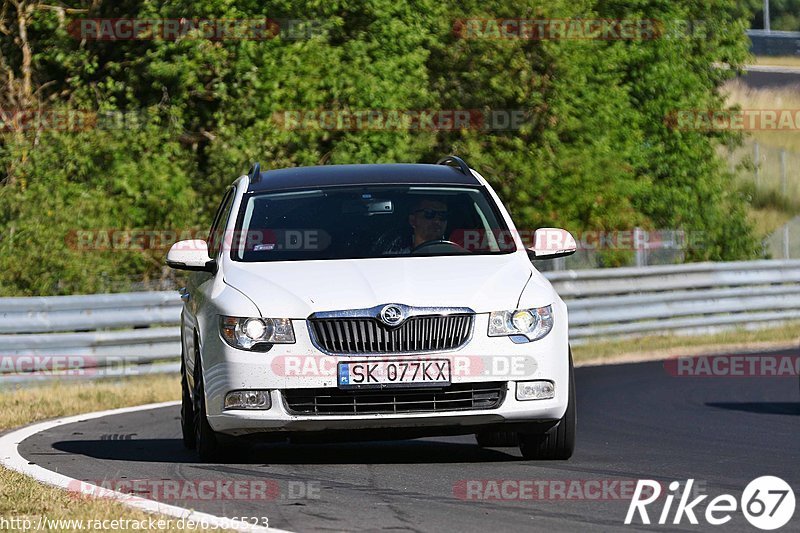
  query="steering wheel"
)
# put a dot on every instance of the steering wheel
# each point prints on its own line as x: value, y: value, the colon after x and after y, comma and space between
x: 440, y: 245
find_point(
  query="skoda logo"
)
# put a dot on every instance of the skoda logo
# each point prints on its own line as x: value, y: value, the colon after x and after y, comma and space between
x: 391, y: 315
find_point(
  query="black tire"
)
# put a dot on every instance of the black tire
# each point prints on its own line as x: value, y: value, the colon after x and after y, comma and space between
x: 497, y: 439
x: 557, y: 443
x: 187, y: 410
x: 206, y: 439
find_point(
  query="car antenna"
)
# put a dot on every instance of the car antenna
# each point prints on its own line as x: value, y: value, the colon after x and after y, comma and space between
x: 255, y: 173
x: 457, y: 162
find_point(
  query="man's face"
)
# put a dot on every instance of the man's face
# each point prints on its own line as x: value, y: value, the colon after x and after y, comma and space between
x: 429, y: 219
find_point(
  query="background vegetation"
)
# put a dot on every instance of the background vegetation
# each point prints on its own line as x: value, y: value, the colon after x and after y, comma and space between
x: 598, y: 152
x: 784, y: 14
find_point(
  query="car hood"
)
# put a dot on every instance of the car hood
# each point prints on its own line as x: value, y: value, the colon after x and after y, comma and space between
x: 297, y: 289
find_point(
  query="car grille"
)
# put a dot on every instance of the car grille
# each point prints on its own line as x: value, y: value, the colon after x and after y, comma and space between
x: 460, y: 397
x: 367, y: 335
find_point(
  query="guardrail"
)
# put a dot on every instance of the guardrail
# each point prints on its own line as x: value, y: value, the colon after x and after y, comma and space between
x: 692, y: 298
x: 774, y: 43
x: 603, y: 303
x: 94, y: 330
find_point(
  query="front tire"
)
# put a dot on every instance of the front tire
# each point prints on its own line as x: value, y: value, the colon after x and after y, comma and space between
x: 206, y: 439
x: 557, y: 443
x: 187, y: 410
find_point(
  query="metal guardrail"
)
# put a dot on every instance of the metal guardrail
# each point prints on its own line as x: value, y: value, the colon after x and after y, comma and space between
x: 602, y: 303
x: 693, y: 298
x: 774, y: 43
x: 92, y: 312
x: 94, y: 330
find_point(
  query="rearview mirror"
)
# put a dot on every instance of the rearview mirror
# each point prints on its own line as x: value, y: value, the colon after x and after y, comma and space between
x: 191, y: 255
x: 551, y: 243
x: 368, y: 207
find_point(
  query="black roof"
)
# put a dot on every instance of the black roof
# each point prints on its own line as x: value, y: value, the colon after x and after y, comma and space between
x: 330, y: 175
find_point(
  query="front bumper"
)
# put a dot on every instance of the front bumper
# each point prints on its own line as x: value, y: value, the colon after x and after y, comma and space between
x: 302, y: 366
x: 279, y: 419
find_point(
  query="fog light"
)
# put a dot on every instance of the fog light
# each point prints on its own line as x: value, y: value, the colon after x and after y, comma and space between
x: 535, y: 390
x: 248, y: 399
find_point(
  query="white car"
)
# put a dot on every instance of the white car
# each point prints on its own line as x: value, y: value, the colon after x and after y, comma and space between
x: 373, y: 300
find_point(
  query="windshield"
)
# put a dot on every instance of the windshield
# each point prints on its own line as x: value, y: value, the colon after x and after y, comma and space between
x: 369, y: 222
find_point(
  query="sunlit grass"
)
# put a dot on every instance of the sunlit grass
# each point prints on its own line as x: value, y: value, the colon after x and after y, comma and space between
x: 25, y: 404
x: 661, y: 346
x: 766, y: 164
x: 782, y: 98
x: 24, y: 498
x: 767, y: 220
x: 778, y: 61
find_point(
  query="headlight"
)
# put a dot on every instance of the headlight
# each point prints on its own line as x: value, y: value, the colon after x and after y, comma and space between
x: 533, y: 323
x: 256, y: 334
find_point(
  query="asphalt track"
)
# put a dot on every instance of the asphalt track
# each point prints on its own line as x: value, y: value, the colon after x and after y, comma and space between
x: 635, y: 421
x: 766, y: 78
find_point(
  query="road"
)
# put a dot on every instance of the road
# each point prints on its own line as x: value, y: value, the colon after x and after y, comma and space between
x: 764, y: 77
x: 635, y: 421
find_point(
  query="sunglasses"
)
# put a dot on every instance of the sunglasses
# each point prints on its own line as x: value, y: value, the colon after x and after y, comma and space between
x: 430, y: 214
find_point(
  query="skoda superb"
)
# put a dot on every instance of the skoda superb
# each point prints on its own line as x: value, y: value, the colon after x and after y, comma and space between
x: 394, y: 300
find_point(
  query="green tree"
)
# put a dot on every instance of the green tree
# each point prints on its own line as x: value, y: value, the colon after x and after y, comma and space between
x: 596, y: 150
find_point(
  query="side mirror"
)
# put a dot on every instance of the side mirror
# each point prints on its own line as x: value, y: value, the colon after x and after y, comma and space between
x: 191, y: 255
x: 551, y: 243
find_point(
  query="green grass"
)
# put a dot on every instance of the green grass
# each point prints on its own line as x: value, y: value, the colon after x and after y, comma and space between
x: 662, y: 346
x: 24, y: 497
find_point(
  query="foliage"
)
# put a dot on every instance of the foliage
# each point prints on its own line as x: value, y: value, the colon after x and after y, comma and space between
x: 596, y: 151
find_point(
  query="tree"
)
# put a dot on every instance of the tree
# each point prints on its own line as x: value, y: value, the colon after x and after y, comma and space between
x: 594, y: 151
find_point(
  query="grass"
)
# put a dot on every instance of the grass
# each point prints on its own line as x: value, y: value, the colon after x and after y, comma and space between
x: 23, y: 405
x: 778, y: 61
x: 656, y: 346
x: 773, y: 200
x: 739, y: 93
x: 25, y: 498
x: 767, y: 220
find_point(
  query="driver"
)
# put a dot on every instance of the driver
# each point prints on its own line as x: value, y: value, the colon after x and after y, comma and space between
x: 428, y: 220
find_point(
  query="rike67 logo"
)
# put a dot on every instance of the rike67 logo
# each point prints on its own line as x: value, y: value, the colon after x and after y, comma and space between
x: 767, y: 502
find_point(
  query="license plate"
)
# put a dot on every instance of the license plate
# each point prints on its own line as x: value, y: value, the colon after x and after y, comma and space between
x: 384, y: 374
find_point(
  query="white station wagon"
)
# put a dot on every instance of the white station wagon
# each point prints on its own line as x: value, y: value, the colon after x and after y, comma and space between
x: 365, y: 301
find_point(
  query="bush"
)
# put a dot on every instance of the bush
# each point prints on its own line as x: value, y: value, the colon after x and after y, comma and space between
x: 595, y: 152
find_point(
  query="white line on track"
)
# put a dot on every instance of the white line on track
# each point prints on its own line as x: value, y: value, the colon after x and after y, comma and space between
x: 773, y: 68
x: 11, y: 459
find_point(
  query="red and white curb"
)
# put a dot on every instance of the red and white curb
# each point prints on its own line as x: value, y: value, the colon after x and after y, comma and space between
x: 11, y: 459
